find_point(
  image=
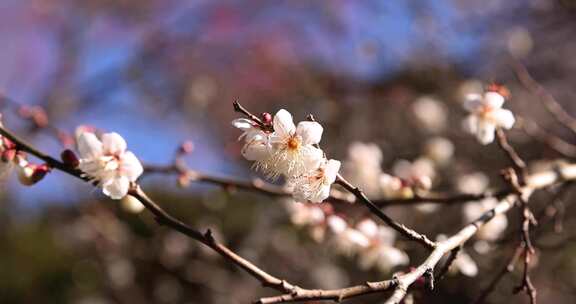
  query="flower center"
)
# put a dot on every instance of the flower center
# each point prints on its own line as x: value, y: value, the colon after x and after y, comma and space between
x: 293, y: 143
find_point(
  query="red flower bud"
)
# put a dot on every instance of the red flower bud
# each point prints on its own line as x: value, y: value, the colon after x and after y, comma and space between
x: 69, y: 158
x: 31, y: 174
x: 267, y: 118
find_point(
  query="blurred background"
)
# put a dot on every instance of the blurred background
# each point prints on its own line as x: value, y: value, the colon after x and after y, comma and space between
x: 160, y: 72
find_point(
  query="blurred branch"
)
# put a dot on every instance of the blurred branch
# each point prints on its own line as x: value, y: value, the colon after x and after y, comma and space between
x: 552, y: 141
x: 551, y: 104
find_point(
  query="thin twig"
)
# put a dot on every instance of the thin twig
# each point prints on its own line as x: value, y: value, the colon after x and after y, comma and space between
x: 403, y: 230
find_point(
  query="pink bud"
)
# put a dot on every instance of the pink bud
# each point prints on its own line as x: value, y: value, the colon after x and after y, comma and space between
x: 267, y: 118
x: 186, y: 147
x: 8, y: 144
x: 69, y: 158
x: 8, y: 155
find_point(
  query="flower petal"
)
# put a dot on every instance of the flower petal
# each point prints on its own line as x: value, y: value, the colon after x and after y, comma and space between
x: 243, y: 123
x: 283, y: 124
x: 472, y: 102
x: 256, y: 150
x: 493, y: 100
x: 331, y: 171
x: 89, y: 146
x: 312, y: 157
x: 504, y: 118
x: 113, y: 143
x: 470, y: 124
x: 310, y: 131
x: 116, y: 188
x: 131, y: 166
x: 486, y: 130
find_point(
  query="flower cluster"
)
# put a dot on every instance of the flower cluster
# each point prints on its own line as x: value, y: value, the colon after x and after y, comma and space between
x: 282, y: 148
x: 107, y: 161
x: 372, y: 244
x: 486, y: 115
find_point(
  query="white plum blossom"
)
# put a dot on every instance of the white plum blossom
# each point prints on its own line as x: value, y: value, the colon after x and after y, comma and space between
x: 486, y: 115
x: 314, y: 186
x: 108, y: 162
x: 293, y: 151
x: 256, y: 142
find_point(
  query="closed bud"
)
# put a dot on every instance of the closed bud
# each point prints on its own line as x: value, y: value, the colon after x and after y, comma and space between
x: 266, y: 118
x: 39, y: 172
x: 8, y: 155
x: 186, y: 147
x: 69, y: 158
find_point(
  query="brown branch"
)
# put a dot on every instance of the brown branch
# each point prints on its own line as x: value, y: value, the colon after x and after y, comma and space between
x: 337, y: 295
x: 515, y: 159
x: 403, y: 230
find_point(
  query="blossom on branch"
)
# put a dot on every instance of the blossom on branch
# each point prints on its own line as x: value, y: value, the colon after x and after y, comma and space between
x: 279, y: 147
x: 314, y: 186
x: 486, y: 115
x: 108, y: 162
x: 257, y: 142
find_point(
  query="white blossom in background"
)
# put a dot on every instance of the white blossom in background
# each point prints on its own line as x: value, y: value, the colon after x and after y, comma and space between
x: 463, y: 262
x: 256, y: 142
x: 486, y: 115
x: 314, y: 186
x: 380, y: 253
x: 492, y: 230
x: 418, y: 175
x: 430, y: 113
x: 108, y: 162
x: 302, y: 214
x: 439, y: 149
x: 363, y: 167
x: 474, y: 183
x: 393, y: 187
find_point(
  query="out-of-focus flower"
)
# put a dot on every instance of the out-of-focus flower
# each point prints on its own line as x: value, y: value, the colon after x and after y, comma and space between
x: 381, y: 252
x: 463, y: 262
x: 419, y: 173
x: 108, y: 162
x: 492, y: 230
x: 440, y: 150
x: 302, y: 214
x: 314, y: 186
x: 474, y: 183
x: 393, y: 187
x: 430, y: 114
x: 363, y: 167
x: 486, y: 115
